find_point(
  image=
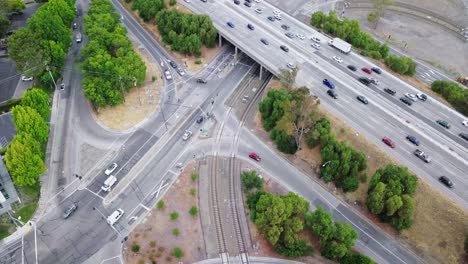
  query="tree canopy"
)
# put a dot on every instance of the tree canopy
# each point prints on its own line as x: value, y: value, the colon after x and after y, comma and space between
x: 453, y: 93
x: 38, y: 100
x: 28, y: 120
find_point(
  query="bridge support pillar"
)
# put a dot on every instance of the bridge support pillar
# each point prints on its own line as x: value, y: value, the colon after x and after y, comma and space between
x: 235, y: 52
x: 261, y: 71
x: 220, y: 39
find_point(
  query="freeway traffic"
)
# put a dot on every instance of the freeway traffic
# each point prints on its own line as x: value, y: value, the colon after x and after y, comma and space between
x: 384, y: 116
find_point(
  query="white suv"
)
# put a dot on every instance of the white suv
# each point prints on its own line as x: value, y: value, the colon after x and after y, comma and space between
x: 111, y: 169
x: 115, y: 216
x: 187, y: 135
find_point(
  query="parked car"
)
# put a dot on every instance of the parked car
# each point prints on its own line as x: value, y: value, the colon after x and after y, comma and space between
x: 376, y: 70
x: 352, y: 67
x: 26, y: 79
x: 446, y: 181
x: 278, y: 16
x: 366, y: 70
x: 420, y: 154
x: 388, y: 142
x: 413, y: 140
x: 284, y: 48
x: 406, y: 101
x: 390, y: 91
x: 338, y: 59
x: 187, y: 135
x: 443, y: 123
x: 69, y: 210
x: 111, y: 169
x: 328, y: 83
x: 362, y: 99
x: 332, y: 93
x: 254, y: 156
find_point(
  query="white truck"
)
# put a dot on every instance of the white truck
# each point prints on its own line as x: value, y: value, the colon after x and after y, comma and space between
x: 109, y: 183
x: 340, y: 45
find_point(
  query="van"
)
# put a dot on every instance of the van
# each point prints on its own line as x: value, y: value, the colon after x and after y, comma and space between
x: 115, y: 216
x: 109, y: 183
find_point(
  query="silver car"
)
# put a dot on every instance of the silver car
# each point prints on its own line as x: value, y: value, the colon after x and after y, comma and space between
x: 187, y: 135
x: 69, y: 210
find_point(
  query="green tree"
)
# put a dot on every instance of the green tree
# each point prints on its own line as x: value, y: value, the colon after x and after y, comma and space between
x: 25, y: 47
x: 355, y: 258
x: 376, y: 198
x: 288, y: 77
x: 193, y: 211
x: 172, y: 2
x: 393, y: 204
x: 38, y: 100
x: 350, y: 184
x: 298, y: 248
x: 23, y: 159
x: 28, y: 120
x: 177, y: 252
x: 333, y: 250
x: 135, y: 248
x: 174, y: 215
x: 317, y: 19
x: 271, y: 107
x: 251, y: 180
x: 4, y: 25
x: 321, y: 224
x: 160, y: 204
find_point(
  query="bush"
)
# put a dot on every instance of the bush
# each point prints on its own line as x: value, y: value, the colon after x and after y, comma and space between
x: 160, y: 204
x: 153, y: 78
x: 174, y: 215
x: 453, y: 93
x: 250, y: 180
x: 172, y: 2
x: 198, y: 61
x: 375, y: 55
x: 284, y: 142
x: 194, y: 177
x: 403, y: 65
x: 177, y: 252
x: 350, y: 184
x: 176, y: 232
x: 135, y: 248
x: 193, y: 211
x: 299, y: 248
x: 193, y: 191
x: 356, y: 258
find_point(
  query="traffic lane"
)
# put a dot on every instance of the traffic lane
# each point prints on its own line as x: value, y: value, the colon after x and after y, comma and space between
x: 299, y: 183
x: 10, y: 79
x: 389, y: 127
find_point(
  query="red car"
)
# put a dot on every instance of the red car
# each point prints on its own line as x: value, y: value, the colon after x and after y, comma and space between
x: 366, y: 70
x: 389, y: 142
x: 254, y: 156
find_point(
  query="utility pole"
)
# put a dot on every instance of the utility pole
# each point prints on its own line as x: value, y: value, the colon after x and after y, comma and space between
x: 121, y: 88
x: 51, y: 76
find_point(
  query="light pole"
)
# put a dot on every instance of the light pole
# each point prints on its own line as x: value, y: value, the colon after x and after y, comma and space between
x: 325, y: 164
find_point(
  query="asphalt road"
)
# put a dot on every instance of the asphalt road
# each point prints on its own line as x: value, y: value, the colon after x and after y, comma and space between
x: 384, y: 116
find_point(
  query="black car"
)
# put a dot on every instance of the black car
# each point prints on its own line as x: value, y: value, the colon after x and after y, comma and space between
x: 69, y: 210
x: 284, y: 48
x: 285, y: 27
x: 332, y: 93
x: 204, y: 1
x: 446, y: 181
x: 362, y: 99
x: 247, y: 4
x: 200, y: 119
x: 250, y: 1
x: 200, y: 80
x: 364, y: 80
x: 376, y: 70
x: 271, y: 18
x: 406, y: 100
x: 464, y: 136
x: 390, y: 91
x: 443, y: 123
x: 264, y: 41
x: 413, y: 140
x: 352, y: 67
x: 173, y: 64
x: 237, y: 2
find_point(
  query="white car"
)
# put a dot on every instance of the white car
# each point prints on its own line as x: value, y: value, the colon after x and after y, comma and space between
x: 315, y: 45
x: 315, y: 39
x: 338, y: 59
x: 26, y: 79
x: 291, y: 65
x: 168, y: 75
x: 412, y: 97
x: 187, y: 1
x: 278, y: 16
x: 276, y: 11
x: 115, y: 216
x: 180, y: 71
x: 259, y: 10
x: 111, y: 169
x: 465, y: 123
x: 257, y: 1
x: 300, y: 36
x: 187, y: 135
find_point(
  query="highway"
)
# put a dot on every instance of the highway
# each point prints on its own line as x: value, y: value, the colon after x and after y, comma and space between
x: 384, y: 116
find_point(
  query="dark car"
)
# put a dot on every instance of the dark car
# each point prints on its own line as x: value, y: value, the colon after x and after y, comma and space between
x: 284, y: 48
x: 376, y: 70
x: 201, y: 80
x: 413, y: 140
x: 69, y: 210
x: 231, y: 25
x: 247, y: 4
x: 289, y: 35
x: 366, y: 70
x: 237, y: 2
x: 364, y: 80
x: 250, y: 1
x: 464, y: 136
x: 332, y: 93
x: 250, y: 26
x: 362, y: 99
x: 352, y: 67
x: 446, y: 181
x: 421, y: 97
x: 264, y: 41
x: 443, y: 123
x: 204, y: 1
x: 328, y: 83
x: 271, y: 18
x: 254, y: 156
x: 406, y: 101
x: 388, y: 142
x: 173, y: 64
x: 390, y: 91
x: 285, y: 27
x: 200, y: 119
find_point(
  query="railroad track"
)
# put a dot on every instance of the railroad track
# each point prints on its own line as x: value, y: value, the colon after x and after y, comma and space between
x: 228, y: 221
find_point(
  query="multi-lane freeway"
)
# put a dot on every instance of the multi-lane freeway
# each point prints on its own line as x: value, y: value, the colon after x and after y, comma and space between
x: 384, y: 116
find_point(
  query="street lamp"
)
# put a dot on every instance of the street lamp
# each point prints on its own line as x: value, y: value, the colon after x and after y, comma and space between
x: 325, y: 164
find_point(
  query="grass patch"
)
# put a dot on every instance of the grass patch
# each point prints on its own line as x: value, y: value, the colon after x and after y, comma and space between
x: 4, y: 231
x: 26, y: 212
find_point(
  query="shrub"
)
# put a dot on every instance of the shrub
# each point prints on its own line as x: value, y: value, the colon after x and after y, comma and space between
x: 135, y: 248
x: 453, y: 93
x: 172, y: 2
x: 174, y: 215
x: 153, y: 78
x: 251, y: 180
x: 194, y: 177
x: 198, y: 61
x: 177, y: 252
x: 176, y: 232
x: 193, y: 191
x: 160, y: 204
x: 193, y: 211
x: 350, y: 184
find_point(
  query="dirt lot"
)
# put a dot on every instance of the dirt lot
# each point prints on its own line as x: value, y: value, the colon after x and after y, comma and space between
x: 139, y: 103
x: 439, y: 225
x: 155, y: 235
x: 187, y: 61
